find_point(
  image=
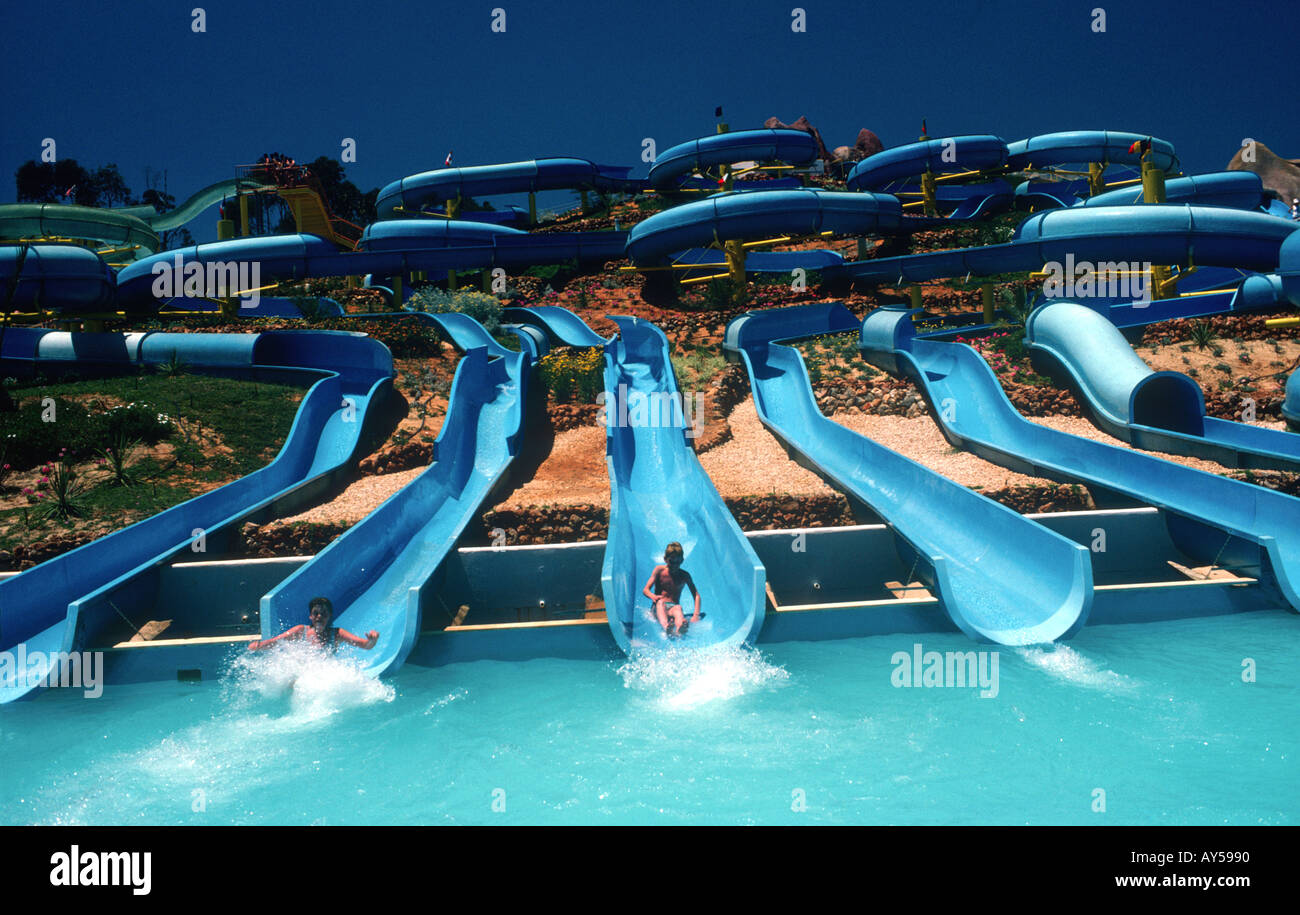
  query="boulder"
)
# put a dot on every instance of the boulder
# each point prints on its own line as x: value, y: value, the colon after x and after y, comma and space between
x: 1282, y: 176
x: 868, y: 144
x: 806, y: 127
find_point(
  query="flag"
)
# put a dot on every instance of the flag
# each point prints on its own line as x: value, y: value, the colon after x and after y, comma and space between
x: 1141, y: 146
x: 68, y: 192
x: 447, y: 162
x: 717, y: 112
x: 924, y: 132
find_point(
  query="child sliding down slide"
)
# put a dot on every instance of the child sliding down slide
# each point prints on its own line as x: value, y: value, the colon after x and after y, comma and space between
x: 667, y: 581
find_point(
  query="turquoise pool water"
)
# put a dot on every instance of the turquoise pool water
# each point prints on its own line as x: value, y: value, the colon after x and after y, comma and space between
x: 1157, y: 716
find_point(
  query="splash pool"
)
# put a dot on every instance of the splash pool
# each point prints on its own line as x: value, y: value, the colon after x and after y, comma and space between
x: 1156, y: 716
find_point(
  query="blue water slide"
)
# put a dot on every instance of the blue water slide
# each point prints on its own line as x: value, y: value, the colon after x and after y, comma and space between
x: 794, y: 147
x: 1155, y: 411
x: 1239, y: 190
x: 68, y: 601
x: 1074, y: 147
x: 389, y: 249
x: 434, y: 188
x: 659, y: 493
x: 378, y: 574
x: 1291, y: 405
x: 196, y: 203
x: 1000, y: 576
x: 940, y: 156
x: 1214, y: 520
x: 756, y: 215
x: 1158, y: 233
x: 67, y: 277
x: 561, y: 326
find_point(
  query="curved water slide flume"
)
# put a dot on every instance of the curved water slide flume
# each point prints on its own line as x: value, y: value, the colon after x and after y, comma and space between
x: 1155, y: 233
x: 767, y: 144
x: 659, y: 493
x: 1155, y: 411
x: 893, y: 171
x: 1077, y: 147
x: 757, y: 215
x: 66, y: 602
x: 387, y: 249
x: 1000, y: 576
x: 1211, y: 518
x: 379, y: 572
x: 443, y: 185
x: 559, y: 324
x: 133, y: 227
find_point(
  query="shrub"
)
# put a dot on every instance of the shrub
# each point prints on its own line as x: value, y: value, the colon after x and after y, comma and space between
x: 573, y: 374
x: 76, y: 432
x: 139, y: 422
x: 484, y: 308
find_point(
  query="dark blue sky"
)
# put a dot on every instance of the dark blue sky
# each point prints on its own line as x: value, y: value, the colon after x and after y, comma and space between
x: 129, y: 82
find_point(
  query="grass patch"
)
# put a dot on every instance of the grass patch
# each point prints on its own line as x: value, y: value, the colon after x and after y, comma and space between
x: 218, y: 430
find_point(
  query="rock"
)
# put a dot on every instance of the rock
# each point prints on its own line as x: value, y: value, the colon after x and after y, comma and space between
x: 1282, y: 176
x: 867, y: 144
x: 806, y: 127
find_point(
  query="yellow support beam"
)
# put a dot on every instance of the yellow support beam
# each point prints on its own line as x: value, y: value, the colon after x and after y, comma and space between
x: 1096, y: 178
x: 705, y: 279
x: 735, y: 252
x: 1282, y: 322
x: 928, y: 192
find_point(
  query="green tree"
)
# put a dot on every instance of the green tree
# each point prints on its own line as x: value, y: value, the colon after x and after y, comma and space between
x: 47, y: 182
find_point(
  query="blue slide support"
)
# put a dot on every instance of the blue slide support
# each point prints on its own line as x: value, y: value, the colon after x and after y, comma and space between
x: 659, y: 493
x: 1155, y: 411
x: 1000, y: 576
x: 378, y: 574
x: 1213, y: 519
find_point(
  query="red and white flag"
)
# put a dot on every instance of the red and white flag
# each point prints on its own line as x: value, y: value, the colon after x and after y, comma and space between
x: 447, y: 162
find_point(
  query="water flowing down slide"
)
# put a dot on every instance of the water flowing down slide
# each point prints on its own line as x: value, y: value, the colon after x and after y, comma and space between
x: 1218, y: 521
x: 1155, y: 411
x: 378, y: 574
x: 66, y: 602
x: 1000, y: 576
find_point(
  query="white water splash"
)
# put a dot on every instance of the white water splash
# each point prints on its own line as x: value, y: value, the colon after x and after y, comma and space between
x: 316, y: 684
x: 1064, y: 663
x: 684, y: 679
x: 443, y: 701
